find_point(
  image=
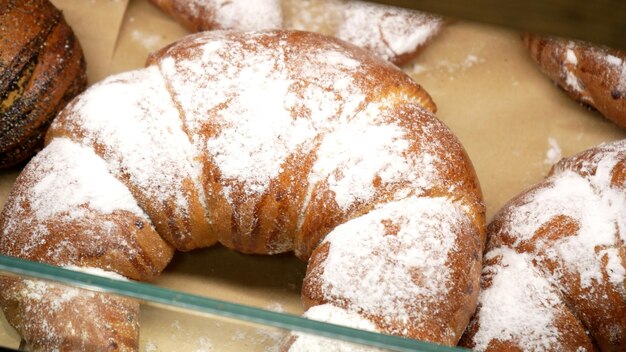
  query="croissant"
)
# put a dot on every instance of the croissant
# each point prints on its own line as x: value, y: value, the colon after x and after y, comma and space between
x: 555, y: 262
x: 41, y: 69
x: 265, y: 142
x: 590, y: 74
x: 395, y: 34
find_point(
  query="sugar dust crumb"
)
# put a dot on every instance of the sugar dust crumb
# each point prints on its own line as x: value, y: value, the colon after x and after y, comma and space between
x: 554, y: 152
x: 204, y: 345
x: 150, y: 42
x: 275, y: 307
x: 150, y: 346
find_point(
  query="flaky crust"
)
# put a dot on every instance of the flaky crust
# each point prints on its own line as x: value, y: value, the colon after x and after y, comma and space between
x: 593, y: 75
x: 395, y: 34
x: 41, y: 69
x: 265, y: 142
x: 556, y: 257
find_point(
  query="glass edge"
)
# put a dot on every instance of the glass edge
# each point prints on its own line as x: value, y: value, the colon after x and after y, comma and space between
x: 169, y: 297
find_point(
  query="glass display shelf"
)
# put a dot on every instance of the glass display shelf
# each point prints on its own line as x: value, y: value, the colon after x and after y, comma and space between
x: 176, y: 320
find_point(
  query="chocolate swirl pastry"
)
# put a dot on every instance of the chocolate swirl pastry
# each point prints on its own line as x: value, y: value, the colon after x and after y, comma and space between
x: 41, y: 69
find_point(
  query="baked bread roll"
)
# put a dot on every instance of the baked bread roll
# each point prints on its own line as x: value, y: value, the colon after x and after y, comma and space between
x: 395, y: 34
x: 41, y: 69
x: 593, y: 75
x: 555, y: 262
x: 265, y: 142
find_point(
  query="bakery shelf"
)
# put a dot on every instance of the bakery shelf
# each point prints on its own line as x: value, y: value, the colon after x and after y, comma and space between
x: 255, y: 328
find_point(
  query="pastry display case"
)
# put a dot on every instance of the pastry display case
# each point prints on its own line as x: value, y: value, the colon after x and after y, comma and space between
x: 513, y: 122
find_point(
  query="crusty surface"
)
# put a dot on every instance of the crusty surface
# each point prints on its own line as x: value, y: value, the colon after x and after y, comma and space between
x: 593, y: 75
x: 68, y: 318
x: 555, y: 262
x: 41, y: 69
x: 395, y: 34
x: 266, y: 142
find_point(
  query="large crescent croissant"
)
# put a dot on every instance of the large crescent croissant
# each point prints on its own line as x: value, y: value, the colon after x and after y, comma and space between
x: 555, y: 264
x: 264, y: 142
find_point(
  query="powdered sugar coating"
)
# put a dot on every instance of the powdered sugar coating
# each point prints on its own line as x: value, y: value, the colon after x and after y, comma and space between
x: 618, y: 65
x: 71, y: 184
x: 50, y: 312
x: 73, y: 175
x: 567, y: 234
x: 569, y: 69
x: 132, y: 116
x: 518, y: 304
x: 593, y: 203
x: 373, y: 260
x: 382, y: 152
x: 388, y: 31
x: 265, y: 110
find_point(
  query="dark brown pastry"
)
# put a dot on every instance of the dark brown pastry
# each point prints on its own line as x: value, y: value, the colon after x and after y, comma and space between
x: 41, y: 69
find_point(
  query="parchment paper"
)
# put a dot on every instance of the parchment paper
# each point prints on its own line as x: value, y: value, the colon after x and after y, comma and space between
x: 513, y: 122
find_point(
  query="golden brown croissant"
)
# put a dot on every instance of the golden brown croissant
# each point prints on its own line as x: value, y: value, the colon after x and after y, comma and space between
x: 395, y: 34
x: 555, y: 262
x: 41, y: 69
x: 266, y: 142
x: 593, y: 75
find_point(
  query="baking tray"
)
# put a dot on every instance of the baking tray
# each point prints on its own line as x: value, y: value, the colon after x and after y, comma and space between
x: 188, y: 322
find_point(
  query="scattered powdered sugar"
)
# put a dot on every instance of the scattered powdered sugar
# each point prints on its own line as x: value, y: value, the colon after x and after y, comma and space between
x: 321, y: 16
x: 204, y: 345
x: 149, y: 41
x: 553, y: 155
x: 276, y: 307
x: 133, y: 117
x: 454, y: 66
x: 386, y: 30
x: 518, y: 306
x: 151, y: 346
x: 592, y: 203
x: 243, y: 15
x: 73, y: 175
x: 417, y: 68
x: 372, y: 260
x: 331, y: 314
